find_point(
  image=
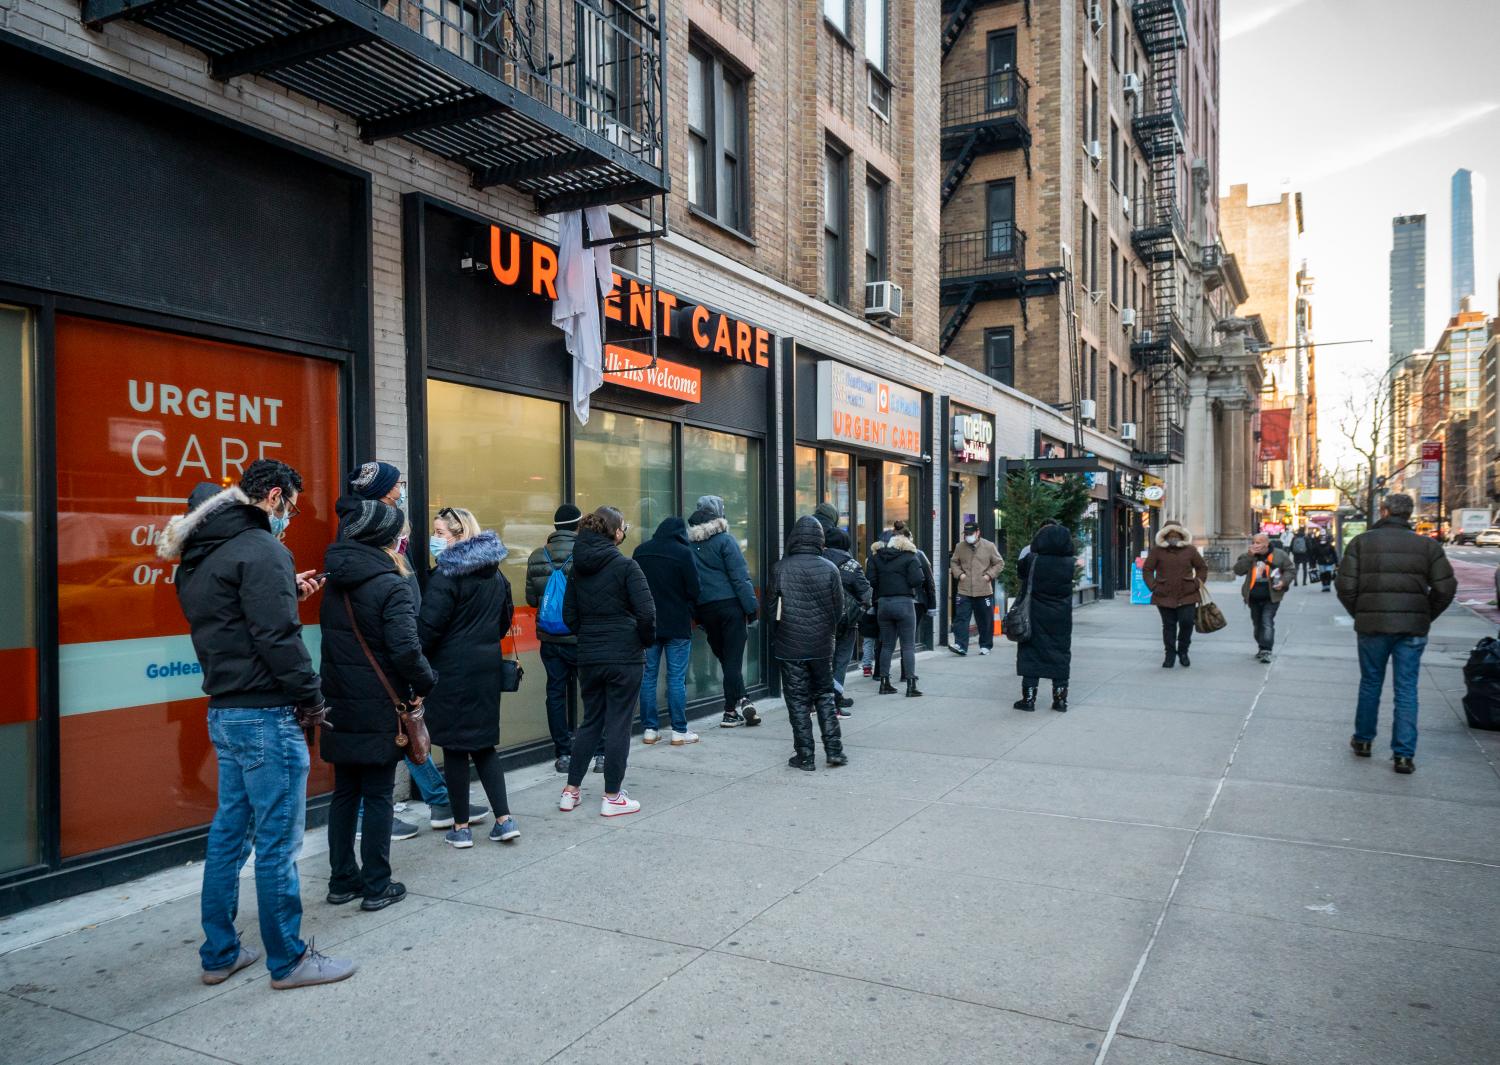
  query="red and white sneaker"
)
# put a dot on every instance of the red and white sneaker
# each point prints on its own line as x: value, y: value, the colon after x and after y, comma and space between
x: 619, y: 806
x: 867, y: 670
x: 569, y: 800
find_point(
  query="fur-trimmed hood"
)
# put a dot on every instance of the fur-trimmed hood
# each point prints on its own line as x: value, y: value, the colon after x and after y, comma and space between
x: 698, y: 533
x: 472, y: 555
x: 184, y: 527
x: 1172, y: 526
x: 898, y: 542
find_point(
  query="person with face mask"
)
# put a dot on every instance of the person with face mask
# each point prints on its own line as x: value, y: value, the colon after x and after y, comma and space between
x: 974, y: 565
x: 1267, y: 570
x: 1174, y: 571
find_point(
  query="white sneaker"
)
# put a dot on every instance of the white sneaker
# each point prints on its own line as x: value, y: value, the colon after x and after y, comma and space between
x: 984, y: 650
x: 679, y: 738
x: 650, y: 736
x: 569, y: 800
x: 620, y: 805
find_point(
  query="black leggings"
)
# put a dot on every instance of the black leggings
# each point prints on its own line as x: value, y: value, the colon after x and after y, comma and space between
x: 491, y: 777
x: 609, y: 692
x: 1177, y: 627
x: 724, y: 624
x: 375, y: 786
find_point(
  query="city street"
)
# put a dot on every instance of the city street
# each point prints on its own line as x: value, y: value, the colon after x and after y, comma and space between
x: 1187, y: 868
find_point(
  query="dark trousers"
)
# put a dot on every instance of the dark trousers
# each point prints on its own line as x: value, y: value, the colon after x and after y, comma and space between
x: 724, y: 624
x: 898, y: 621
x: 1036, y: 682
x: 375, y: 786
x: 981, y: 607
x: 843, y: 654
x: 1263, y: 618
x: 808, y: 687
x: 609, y: 692
x: 491, y: 778
x: 560, y: 660
x: 1177, y: 627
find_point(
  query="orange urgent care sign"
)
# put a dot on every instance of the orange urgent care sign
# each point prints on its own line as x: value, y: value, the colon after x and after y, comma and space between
x: 142, y: 418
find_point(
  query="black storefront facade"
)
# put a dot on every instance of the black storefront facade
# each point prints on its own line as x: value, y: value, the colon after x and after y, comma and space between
x: 491, y: 428
x: 968, y: 454
x: 179, y: 295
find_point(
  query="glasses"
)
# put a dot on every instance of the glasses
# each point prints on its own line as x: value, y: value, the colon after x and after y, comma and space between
x: 292, y: 509
x: 448, y: 512
x: 625, y: 529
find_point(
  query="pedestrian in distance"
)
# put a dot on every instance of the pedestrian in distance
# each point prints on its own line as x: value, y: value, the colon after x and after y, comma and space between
x: 973, y: 566
x: 609, y: 606
x: 807, y: 596
x: 1050, y: 567
x: 1394, y: 583
x: 1325, y: 557
x: 671, y: 572
x: 370, y: 650
x: 559, y: 650
x: 1267, y: 570
x: 465, y: 614
x: 1174, y: 571
x: 899, y: 580
x: 726, y: 603
x: 1302, y: 542
x: 238, y: 590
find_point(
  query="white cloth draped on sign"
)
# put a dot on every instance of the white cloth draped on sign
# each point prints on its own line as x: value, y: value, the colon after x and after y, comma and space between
x: 584, y: 277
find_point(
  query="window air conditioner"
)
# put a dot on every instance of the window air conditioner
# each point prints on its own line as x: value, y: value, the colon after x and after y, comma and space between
x: 1127, y: 430
x: 1094, y: 152
x: 882, y: 300
x: 624, y: 138
x: 1125, y: 205
x: 1096, y: 17
x: 1087, y: 408
x: 1133, y: 85
x: 1145, y: 336
x: 1127, y: 317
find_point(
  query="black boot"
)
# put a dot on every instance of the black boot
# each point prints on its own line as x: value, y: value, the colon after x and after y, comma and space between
x: 1027, y: 701
x: 1060, y: 698
x: 1170, y: 660
x: 833, y: 739
x: 886, y: 687
x: 911, y: 688
x: 1182, y: 656
x: 802, y: 738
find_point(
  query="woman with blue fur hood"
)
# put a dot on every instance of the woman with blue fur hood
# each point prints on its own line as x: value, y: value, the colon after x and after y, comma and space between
x: 465, y: 614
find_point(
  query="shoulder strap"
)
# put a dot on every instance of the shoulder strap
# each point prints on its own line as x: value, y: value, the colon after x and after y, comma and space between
x: 370, y: 657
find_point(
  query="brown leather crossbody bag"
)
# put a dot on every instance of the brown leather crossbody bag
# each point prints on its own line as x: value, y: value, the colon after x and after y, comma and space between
x: 411, y: 728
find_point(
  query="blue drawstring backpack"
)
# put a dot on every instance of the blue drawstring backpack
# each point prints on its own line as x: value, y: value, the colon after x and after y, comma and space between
x: 549, y: 616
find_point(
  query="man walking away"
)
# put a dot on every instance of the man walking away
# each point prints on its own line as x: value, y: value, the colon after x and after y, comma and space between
x: 726, y: 603
x: 1394, y: 583
x: 974, y: 564
x: 672, y: 575
x: 807, y: 595
x: 1302, y: 555
x: 1174, y: 571
x: 1267, y: 573
x: 238, y: 590
x: 1325, y: 556
x: 559, y: 650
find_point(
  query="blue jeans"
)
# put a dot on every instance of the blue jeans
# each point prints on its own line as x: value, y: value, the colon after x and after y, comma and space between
x: 263, y: 766
x: 1405, y: 655
x: 429, y: 782
x: 678, y: 653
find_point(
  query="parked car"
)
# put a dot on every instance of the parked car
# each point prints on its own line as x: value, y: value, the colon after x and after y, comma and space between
x: 1489, y: 538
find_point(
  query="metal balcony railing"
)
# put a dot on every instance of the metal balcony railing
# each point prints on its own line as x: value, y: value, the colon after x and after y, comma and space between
x: 999, y: 249
x: 989, y: 98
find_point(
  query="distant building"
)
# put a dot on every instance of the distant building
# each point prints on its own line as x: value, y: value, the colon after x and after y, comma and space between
x: 1408, y: 285
x: 1468, y: 192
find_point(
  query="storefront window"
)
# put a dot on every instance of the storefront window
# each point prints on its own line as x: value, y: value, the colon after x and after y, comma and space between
x: 806, y: 480
x: 18, y: 711
x: 836, y: 485
x: 623, y: 461
x: 968, y: 499
x: 902, y: 494
x: 501, y: 456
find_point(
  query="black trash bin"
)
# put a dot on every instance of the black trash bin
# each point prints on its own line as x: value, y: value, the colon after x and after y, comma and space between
x: 1482, y: 685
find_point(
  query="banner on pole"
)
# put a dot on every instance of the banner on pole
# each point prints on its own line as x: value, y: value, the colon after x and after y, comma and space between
x: 1275, y: 429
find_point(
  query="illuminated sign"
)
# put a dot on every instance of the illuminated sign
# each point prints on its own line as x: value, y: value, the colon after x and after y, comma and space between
x: 973, y: 438
x: 855, y: 407
x: 629, y: 368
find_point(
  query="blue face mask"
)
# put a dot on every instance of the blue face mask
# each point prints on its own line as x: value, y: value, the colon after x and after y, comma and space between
x: 437, y: 545
x: 401, y: 501
x: 279, y: 522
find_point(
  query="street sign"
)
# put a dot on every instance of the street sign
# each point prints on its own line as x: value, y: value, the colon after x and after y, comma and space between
x: 1430, y: 485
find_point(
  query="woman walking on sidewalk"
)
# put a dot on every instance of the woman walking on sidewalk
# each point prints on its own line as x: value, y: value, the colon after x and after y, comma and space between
x: 1174, y: 571
x: 899, y: 579
x: 1049, y: 565
x: 465, y: 614
x: 609, y: 606
x: 1325, y: 556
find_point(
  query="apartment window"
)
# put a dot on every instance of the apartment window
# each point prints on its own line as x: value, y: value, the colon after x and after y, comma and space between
x: 876, y: 267
x: 877, y: 54
x: 718, y: 139
x: 835, y: 225
x: 1092, y: 388
x: 1115, y: 29
x: 1093, y: 131
x: 1093, y: 223
x: 1000, y: 355
x: 1000, y: 218
x: 1114, y: 153
x: 1114, y: 395
x: 1000, y: 57
x: 1114, y: 274
x: 837, y: 12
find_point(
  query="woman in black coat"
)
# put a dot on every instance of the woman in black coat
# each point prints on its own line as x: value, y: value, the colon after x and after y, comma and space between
x: 465, y: 614
x: 368, y: 587
x: 609, y: 606
x: 899, y: 580
x: 1049, y: 566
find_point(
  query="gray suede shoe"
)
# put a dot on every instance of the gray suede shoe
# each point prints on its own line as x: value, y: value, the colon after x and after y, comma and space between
x: 314, y: 969
x: 248, y: 956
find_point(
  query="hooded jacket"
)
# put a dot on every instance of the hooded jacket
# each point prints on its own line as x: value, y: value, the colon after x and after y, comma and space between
x: 896, y: 571
x: 1394, y: 581
x: 1324, y: 552
x: 538, y: 571
x: 722, y: 573
x: 1049, y: 566
x: 671, y: 571
x: 359, y: 709
x: 1174, y: 574
x: 975, y: 567
x: 238, y: 590
x: 836, y: 550
x: 608, y: 604
x: 465, y: 614
x: 807, y: 595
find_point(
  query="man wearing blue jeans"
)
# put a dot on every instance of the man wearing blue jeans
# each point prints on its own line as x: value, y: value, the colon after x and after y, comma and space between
x: 672, y: 575
x: 1394, y: 582
x: 239, y: 592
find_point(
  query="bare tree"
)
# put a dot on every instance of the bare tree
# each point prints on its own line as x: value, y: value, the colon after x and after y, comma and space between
x: 1350, y: 484
x: 1365, y: 425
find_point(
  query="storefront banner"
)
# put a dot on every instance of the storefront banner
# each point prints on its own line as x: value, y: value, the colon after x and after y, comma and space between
x: 1275, y: 429
x: 1432, y: 468
x: 629, y: 368
x: 856, y: 407
x: 1153, y: 490
x: 973, y: 438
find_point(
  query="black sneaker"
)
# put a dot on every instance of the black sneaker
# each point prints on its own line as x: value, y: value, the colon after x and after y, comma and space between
x: 841, y: 713
x: 563, y: 763
x: 394, y: 892
x: 598, y: 763
x: 339, y: 898
x: 732, y: 719
x: 1404, y: 764
x: 841, y: 700
x: 833, y: 761
x: 747, y: 712
x: 1359, y: 746
x: 807, y: 765
x: 962, y: 652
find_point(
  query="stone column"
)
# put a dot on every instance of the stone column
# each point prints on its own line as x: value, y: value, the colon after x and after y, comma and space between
x: 1195, y: 506
x: 1234, y: 473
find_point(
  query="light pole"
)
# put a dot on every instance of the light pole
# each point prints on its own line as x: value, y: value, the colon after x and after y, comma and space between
x: 1392, y: 413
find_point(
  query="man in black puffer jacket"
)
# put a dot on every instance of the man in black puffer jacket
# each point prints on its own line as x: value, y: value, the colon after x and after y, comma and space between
x: 1394, y: 582
x: 671, y: 571
x: 808, y: 598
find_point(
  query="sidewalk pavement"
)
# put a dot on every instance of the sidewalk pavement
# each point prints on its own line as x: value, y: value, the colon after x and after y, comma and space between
x: 1188, y: 868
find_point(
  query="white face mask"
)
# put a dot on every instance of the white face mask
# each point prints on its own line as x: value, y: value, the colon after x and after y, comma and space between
x: 972, y: 538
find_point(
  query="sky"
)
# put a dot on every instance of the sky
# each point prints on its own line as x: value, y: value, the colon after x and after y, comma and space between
x: 1366, y: 107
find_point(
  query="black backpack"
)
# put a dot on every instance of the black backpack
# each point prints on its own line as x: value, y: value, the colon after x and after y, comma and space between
x: 853, y: 607
x: 1482, y: 685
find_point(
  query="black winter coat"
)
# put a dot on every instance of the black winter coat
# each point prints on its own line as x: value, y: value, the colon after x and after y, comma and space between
x: 807, y: 597
x: 836, y: 550
x: 238, y: 590
x: 539, y: 571
x: 1394, y: 581
x: 1324, y: 553
x: 465, y: 614
x: 896, y: 570
x: 360, y: 711
x: 1049, y: 652
x: 671, y: 570
x: 608, y: 604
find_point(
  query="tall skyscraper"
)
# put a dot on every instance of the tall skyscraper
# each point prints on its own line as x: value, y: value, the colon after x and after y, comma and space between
x: 1468, y: 236
x: 1408, y: 284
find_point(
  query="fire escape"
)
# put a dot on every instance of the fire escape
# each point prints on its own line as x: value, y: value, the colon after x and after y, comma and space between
x: 1160, y: 239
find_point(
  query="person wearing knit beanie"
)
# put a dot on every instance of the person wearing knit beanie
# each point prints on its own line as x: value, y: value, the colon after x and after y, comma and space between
x: 374, y: 523
x: 376, y: 480
x: 566, y: 518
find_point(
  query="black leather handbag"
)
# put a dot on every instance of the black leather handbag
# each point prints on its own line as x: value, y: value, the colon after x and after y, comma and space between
x: 1017, y: 623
